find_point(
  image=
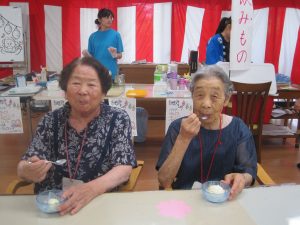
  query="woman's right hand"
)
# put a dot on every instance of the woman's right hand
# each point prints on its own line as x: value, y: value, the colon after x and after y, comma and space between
x: 34, y: 169
x: 190, y: 126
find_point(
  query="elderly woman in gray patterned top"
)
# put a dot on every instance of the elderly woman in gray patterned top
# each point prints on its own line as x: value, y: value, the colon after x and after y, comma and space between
x: 93, y: 137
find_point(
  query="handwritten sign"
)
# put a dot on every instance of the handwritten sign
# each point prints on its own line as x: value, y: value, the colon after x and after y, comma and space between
x: 241, y: 34
x: 57, y: 103
x: 176, y: 108
x: 129, y: 105
x: 10, y: 115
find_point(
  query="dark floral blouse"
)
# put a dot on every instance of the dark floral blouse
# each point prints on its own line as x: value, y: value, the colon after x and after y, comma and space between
x: 107, y: 144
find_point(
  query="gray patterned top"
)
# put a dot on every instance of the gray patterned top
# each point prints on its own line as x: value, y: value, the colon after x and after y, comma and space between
x: 107, y: 144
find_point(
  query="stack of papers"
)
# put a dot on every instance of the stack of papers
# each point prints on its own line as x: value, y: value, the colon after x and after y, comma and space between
x: 275, y: 130
x: 280, y: 112
x: 142, y: 61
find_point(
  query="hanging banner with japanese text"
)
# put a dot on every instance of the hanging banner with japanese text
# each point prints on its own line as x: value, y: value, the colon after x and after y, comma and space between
x: 241, y: 34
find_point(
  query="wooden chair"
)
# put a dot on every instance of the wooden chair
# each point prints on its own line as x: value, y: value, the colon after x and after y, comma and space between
x: 130, y: 185
x: 16, y: 184
x: 262, y: 177
x: 249, y: 104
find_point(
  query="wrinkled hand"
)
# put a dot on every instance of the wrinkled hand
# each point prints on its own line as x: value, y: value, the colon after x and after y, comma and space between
x: 36, y: 169
x: 190, y: 126
x: 77, y: 197
x: 237, y: 182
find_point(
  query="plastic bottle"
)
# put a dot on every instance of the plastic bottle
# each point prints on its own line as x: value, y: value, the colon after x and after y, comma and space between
x: 157, y: 74
x: 44, y: 74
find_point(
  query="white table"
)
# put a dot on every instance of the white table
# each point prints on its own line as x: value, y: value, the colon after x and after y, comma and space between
x: 120, y: 91
x: 262, y: 206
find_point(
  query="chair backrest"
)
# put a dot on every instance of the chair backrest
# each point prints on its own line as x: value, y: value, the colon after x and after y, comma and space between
x: 130, y: 184
x: 250, y: 103
x: 262, y: 177
x: 14, y: 186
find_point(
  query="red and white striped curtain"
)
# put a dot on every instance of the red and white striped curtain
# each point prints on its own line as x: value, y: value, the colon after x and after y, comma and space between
x: 158, y: 31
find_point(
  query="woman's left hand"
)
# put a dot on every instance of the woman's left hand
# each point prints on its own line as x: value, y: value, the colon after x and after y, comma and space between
x: 237, y: 182
x: 77, y: 197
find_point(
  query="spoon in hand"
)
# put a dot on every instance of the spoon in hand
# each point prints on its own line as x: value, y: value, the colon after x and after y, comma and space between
x: 58, y: 162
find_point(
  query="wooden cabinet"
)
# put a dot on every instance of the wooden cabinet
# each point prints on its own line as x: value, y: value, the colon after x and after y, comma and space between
x: 144, y: 73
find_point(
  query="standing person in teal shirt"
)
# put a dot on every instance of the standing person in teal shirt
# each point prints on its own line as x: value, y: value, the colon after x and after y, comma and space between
x: 106, y: 44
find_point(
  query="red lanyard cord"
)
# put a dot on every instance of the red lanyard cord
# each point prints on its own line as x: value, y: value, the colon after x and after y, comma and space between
x: 79, y: 155
x: 214, y: 152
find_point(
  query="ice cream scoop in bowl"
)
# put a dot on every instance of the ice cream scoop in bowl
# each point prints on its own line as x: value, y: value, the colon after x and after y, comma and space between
x: 49, y: 201
x: 215, y: 191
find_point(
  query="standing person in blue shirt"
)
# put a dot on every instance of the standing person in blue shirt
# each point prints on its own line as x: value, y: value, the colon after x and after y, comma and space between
x: 106, y: 44
x: 218, y: 46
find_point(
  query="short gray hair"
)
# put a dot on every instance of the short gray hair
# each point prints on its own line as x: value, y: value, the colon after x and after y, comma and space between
x: 213, y: 71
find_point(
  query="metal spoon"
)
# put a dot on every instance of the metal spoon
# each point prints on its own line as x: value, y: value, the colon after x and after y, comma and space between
x: 58, y: 162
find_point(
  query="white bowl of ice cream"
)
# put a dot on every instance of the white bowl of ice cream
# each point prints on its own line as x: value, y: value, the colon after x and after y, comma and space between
x: 49, y: 201
x: 215, y: 191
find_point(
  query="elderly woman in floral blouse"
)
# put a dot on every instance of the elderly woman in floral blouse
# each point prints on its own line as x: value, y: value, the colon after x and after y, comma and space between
x: 94, y: 138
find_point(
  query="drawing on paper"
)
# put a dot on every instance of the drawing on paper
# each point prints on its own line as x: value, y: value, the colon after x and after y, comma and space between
x: 12, y: 46
x: 11, y: 41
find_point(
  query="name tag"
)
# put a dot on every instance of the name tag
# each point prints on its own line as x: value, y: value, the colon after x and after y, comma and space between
x: 68, y: 182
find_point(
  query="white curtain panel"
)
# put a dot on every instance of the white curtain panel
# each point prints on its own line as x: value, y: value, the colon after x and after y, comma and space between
x: 259, y: 36
x: 87, y: 25
x: 127, y: 29
x: 289, y: 40
x: 162, y: 32
x: 192, y: 34
x: 53, y: 38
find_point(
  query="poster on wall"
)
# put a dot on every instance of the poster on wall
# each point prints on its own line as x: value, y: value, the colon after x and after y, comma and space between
x: 241, y: 34
x: 10, y: 115
x: 11, y: 34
